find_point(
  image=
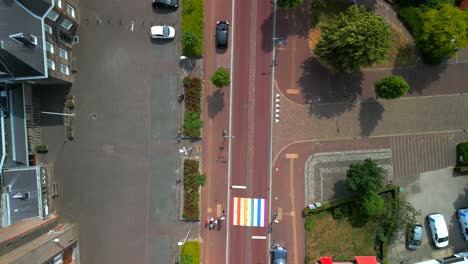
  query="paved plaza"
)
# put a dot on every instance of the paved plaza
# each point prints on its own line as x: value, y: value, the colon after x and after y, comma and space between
x: 325, y: 172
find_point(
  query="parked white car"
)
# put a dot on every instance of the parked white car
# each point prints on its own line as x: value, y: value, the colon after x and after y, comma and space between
x: 462, y: 215
x: 439, y: 231
x: 162, y: 32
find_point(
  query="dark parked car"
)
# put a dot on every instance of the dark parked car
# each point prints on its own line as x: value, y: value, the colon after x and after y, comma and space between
x: 222, y: 34
x: 414, y: 236
x: 166, y: 3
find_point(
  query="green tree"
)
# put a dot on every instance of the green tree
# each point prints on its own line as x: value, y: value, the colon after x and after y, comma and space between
x: 364, y: 178
x: 189, y: 40
x: 220, y: 78
x: 391, y: 87
x: 406, y: 216
x: 192, y: 124
x: 444, y: 31
x: 354, y: 39
x: 289, y: 3
x: 372, y: 205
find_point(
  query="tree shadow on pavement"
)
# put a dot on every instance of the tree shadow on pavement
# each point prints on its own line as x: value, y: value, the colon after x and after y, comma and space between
x: 339, y: 189
x: 288, y: 23
x: 419, y: 78
x: 215, y: 103
x: 329, y: 94
x: 369, y: 116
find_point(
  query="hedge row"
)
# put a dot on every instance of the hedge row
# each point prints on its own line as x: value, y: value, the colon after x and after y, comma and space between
x: 191, y: 195
x: 462, y: 154
x: 192, y: 120
x: 192, y: 21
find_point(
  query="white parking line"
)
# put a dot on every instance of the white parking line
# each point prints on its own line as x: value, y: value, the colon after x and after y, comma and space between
x: 258, y: 237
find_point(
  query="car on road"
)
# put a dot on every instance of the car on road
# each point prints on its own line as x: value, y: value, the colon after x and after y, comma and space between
x: 439, y: 231
x: 222, y: 34
x: 279, y: 254
x: 162, y: 32
x: 462, y: 215
x: 165, y: 3
x: 414, y: 236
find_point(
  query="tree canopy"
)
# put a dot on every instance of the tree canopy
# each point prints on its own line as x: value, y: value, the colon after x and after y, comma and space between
x: 289, y: 3
x: 444, y: 31
x: 364, y: 178
x: 354, y: 39
x: 221, y: 78
x: 391, y: 87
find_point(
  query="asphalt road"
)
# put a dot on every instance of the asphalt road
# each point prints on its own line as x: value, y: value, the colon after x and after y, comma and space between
x: 118, y: 177
x: 251, y: 121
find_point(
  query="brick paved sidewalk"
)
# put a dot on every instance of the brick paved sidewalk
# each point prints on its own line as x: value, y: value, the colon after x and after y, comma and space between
x: 369, y: 118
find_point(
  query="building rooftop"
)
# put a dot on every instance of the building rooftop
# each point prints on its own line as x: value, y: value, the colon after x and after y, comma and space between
x: 24, y: 194
x: 22, y: 54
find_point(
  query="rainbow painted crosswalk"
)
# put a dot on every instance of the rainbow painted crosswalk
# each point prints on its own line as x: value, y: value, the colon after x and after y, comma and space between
x: 249, y: 211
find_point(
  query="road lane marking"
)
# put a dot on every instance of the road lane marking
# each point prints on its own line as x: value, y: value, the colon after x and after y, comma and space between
x: 258, y: 237
x: 218, y: 210
x: 249, y: 212
x: 293, y: 206
x: 209, y: 210
x: 292, y: 156
x: 280, y: 213
x: 293, y: 91
x: 231, y: 92
x: 239, y: 187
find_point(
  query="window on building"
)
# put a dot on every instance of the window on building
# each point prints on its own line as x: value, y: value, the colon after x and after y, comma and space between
x: 48, y: 29
x: 64, y: 69
x: 52, y: 15
x: 50, y: 64
x: 59, y: 3
x: 71, y: 10
x: 67, y: 24
x: 63, y: 53
x: 49, y: 47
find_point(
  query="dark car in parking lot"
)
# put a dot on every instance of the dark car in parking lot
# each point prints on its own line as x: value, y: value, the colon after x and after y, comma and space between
x: 166, y: 3
x: 222, y: 34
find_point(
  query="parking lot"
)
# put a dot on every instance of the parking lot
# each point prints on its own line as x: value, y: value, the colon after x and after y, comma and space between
x: 117, y: 179
x: 437, y: 191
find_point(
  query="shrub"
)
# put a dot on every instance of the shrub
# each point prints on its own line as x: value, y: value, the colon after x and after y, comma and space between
x: 411, y: 18
x: 189, y: 40
x: 201, y: 179
x: 462, y: 154
x: 221, y: 78
x: 372, y: 205
x: 193, y: 88
x: 191, y: 196
x: 192, y: 124
x: 341, y: 258
x: 391, y: 87
x: 307, y: 259
x: 341, y: 212
x: 192, y: 21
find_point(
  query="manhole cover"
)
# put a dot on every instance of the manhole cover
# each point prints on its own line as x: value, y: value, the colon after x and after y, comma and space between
x: 94, y: 116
